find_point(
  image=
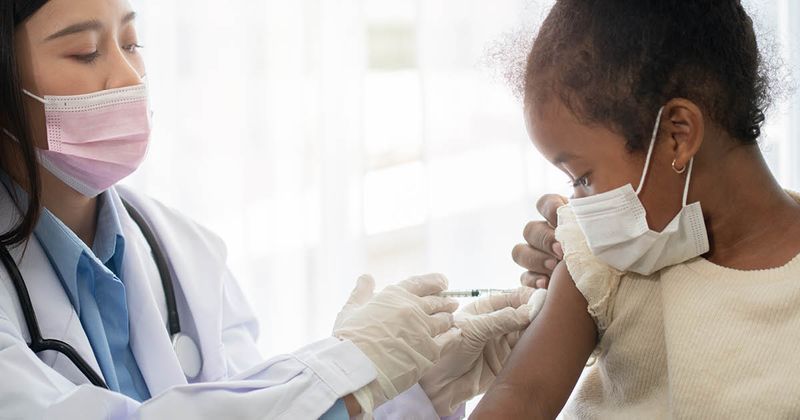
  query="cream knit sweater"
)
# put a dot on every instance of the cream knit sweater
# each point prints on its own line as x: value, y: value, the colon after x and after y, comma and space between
x: 695, y: 340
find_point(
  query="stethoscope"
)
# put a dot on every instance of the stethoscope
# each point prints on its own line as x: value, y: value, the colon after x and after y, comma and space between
x: 186, y: 349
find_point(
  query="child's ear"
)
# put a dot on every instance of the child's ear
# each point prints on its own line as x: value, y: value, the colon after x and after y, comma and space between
x: 684, y: 126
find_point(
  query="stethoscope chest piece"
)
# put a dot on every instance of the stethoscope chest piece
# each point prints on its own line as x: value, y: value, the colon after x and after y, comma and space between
x: 188, y: 355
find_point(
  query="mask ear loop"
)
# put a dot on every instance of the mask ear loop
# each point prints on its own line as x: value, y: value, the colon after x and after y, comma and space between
x: 650, y: 151
x: 27, y: 92
x: 688, y: 178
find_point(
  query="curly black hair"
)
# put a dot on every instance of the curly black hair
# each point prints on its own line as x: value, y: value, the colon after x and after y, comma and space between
x: 616, y: 62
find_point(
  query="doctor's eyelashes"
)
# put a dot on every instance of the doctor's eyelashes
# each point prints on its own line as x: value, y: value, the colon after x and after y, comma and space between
x: 87, y: 58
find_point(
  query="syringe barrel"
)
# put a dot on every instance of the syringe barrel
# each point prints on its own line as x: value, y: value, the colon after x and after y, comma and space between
x: 473, y: 293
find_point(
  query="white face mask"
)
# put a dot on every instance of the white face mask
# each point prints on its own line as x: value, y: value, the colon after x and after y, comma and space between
x: 617, y: 233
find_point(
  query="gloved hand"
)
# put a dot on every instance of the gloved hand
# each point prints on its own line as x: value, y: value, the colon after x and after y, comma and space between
x: 488, y: 329
x: 399, y: 330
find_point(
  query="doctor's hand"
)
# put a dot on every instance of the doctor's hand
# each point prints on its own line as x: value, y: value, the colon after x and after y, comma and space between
x: 541, y: 253
x: 399, y: 330
x: 487, y: 330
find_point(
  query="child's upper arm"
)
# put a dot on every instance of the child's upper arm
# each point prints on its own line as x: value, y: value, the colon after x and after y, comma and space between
x: 547, y: 362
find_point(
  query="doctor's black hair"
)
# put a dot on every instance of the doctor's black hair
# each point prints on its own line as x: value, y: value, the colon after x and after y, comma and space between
x: 14, y: 119
x: 616, y: 62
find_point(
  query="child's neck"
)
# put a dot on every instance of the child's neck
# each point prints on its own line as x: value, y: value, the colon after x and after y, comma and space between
x: 752, y: 222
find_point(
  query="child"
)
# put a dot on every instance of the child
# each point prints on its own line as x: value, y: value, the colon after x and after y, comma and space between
x: 681, y: 269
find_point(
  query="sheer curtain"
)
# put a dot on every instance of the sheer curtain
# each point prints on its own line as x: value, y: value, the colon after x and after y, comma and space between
x: 323, y: 139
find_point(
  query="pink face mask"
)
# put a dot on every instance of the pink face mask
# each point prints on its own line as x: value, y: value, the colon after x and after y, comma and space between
x: 96, y: 140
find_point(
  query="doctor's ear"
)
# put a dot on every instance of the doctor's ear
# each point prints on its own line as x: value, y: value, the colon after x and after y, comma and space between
x: 684, y: 125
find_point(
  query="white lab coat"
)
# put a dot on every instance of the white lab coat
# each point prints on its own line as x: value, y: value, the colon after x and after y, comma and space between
x: 235, y: 381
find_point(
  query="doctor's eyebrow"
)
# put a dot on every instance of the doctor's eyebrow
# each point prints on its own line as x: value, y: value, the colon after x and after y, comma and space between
x: 89, y: 25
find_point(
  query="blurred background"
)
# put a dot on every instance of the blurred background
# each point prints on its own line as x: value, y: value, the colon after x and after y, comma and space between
x: 323, y: 139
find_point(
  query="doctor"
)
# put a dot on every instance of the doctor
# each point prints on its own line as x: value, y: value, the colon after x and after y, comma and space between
x: 114, y: 306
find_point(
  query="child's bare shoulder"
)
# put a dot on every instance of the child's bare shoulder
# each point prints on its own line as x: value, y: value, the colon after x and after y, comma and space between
x: 563, y: 291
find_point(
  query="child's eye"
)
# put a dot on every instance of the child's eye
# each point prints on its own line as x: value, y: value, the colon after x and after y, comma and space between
x: 131, y: 48
x: 580, y: 182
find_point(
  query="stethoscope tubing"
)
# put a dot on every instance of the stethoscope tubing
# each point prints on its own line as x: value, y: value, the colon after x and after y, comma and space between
x: 160, y: 258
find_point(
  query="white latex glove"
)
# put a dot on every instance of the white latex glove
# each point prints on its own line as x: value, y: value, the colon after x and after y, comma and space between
x: 398, y: 330
x: 488, y: 329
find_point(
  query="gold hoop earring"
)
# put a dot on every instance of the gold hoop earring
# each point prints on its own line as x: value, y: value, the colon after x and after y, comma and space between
x: 677, y: 171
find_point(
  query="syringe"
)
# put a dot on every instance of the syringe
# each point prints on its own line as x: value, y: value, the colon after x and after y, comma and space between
x: 474, y: 292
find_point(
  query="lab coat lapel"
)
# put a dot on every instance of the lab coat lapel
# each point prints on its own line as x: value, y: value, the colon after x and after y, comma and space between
x: 198, y: 272
x: 149, y: 338
x: 57, y: 318
x: 55, y: 315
